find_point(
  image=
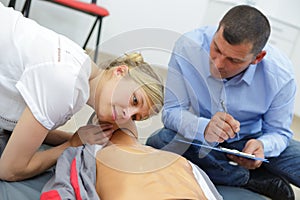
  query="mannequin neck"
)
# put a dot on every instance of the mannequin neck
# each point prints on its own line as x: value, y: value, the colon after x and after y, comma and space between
x: 124, y: 136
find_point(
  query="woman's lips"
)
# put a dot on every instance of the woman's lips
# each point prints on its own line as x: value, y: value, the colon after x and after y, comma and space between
x: 114, y: 113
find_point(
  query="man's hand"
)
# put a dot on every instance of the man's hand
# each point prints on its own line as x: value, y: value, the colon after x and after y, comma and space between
x: 221, y: 127
x: 92, y: 134
x: 254, y: 147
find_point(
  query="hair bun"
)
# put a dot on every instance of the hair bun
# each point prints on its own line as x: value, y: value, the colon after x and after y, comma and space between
x: 134, y: 57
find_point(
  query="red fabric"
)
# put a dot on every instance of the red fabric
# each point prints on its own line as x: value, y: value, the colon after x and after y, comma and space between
x: 50, y: 195
x: 74, y: 180
x: 90, y: 8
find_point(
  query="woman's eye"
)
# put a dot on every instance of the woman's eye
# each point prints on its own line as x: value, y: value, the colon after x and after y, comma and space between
x: 133, y: 117
x: 135, y: 100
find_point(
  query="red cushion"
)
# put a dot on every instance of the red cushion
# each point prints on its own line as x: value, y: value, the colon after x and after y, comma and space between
x: 90, y: 8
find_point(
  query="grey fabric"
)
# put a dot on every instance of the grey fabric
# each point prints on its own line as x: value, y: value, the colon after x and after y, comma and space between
x: 85, y: 170
x: 29, y: 189
x: 236, y: 193
x: 26, y: 190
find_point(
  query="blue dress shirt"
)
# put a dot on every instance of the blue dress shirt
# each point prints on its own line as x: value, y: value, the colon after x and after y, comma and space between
x: 261, y: 98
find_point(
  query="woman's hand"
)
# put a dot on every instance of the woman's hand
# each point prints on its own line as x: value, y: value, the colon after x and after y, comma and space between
x: 92, y: 134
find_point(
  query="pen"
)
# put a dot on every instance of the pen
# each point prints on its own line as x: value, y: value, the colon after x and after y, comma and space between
x: 226, y: 111
x: 223, y: 106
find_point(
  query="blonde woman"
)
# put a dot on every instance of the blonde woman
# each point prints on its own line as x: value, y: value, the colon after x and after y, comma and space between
x: 45, y: 79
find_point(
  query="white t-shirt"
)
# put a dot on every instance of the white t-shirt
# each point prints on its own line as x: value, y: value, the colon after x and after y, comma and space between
x: 41, y: 69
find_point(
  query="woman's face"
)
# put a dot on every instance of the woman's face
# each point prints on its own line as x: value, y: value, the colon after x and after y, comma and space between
x: 121, y: 98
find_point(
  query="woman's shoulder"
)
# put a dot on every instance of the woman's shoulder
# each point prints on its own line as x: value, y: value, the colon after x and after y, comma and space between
x: 53, y: 91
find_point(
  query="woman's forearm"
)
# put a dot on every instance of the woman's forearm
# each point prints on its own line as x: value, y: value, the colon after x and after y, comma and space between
x: 57, y: 137
x: 40, y: 162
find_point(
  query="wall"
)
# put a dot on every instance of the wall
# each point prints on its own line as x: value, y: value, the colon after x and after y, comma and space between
x: 140, y: 24
x: 285, y: 22
x: 126, y: 17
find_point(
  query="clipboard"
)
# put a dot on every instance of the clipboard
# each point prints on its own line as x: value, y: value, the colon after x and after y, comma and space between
x: 228, y: 151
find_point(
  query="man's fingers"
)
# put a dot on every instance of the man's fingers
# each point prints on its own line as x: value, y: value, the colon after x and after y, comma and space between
x: 228, y: 124
x: 225, y: 130
x: 221, y: 127
x: 234, y: 124
x: 245, y: 162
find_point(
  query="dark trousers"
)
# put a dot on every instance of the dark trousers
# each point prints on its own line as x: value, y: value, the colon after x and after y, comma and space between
x: 216, y: 164
x: 4, y: 137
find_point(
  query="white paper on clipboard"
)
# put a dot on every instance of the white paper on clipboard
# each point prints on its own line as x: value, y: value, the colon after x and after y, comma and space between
x: 225, y: 150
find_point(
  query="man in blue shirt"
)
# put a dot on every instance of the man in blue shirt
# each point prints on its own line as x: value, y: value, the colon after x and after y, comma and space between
x: 226, y: 87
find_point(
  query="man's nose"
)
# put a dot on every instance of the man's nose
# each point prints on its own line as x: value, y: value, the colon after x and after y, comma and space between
x: 219, y: 61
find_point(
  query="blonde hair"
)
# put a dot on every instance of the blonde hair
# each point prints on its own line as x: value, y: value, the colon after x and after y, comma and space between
x: 142, y: 73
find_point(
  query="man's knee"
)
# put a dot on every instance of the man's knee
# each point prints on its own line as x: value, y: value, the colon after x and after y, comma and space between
x: 160, y: 138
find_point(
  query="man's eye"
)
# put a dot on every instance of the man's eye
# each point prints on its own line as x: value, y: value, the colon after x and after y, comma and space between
x: 217, y: 49
x: 234, y: 61
x: 134, y: 100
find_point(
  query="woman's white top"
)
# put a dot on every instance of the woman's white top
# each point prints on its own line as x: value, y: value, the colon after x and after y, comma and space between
x: 41, y: 69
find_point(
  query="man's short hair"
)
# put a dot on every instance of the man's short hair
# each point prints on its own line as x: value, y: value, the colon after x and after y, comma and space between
x: 246, y: 24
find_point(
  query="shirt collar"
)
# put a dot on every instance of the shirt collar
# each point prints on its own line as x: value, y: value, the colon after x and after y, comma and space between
x: 246, y: 76
x: 249, y: 74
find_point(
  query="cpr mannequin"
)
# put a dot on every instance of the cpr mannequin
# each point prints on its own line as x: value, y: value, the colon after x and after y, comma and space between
x: 124, y: 169
x: 138, y: 172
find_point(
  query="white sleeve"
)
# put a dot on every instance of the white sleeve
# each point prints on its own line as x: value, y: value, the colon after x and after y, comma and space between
x: 50, y: 90
x: 205, y: 183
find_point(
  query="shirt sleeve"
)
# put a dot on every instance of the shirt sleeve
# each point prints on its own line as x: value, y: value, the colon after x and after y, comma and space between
x: 277, y: 121
x: 177, y: 114
x: 51, y: 90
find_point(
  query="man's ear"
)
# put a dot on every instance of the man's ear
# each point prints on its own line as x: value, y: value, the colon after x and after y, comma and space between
x: 121, y: 70
x: 259, y: 57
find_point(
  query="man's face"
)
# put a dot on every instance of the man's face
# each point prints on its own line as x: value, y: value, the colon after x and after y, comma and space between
x: 228, y: 60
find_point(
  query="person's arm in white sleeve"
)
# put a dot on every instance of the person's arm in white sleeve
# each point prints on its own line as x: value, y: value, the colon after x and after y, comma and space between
x: 20, y: 159
x: 205, y: 183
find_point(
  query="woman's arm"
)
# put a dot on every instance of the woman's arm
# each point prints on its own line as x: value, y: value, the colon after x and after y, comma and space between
x: 57, y: 137
x: 20, y: 159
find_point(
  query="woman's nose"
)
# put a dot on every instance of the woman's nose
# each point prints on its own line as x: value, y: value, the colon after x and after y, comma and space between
x: 129, y: 112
